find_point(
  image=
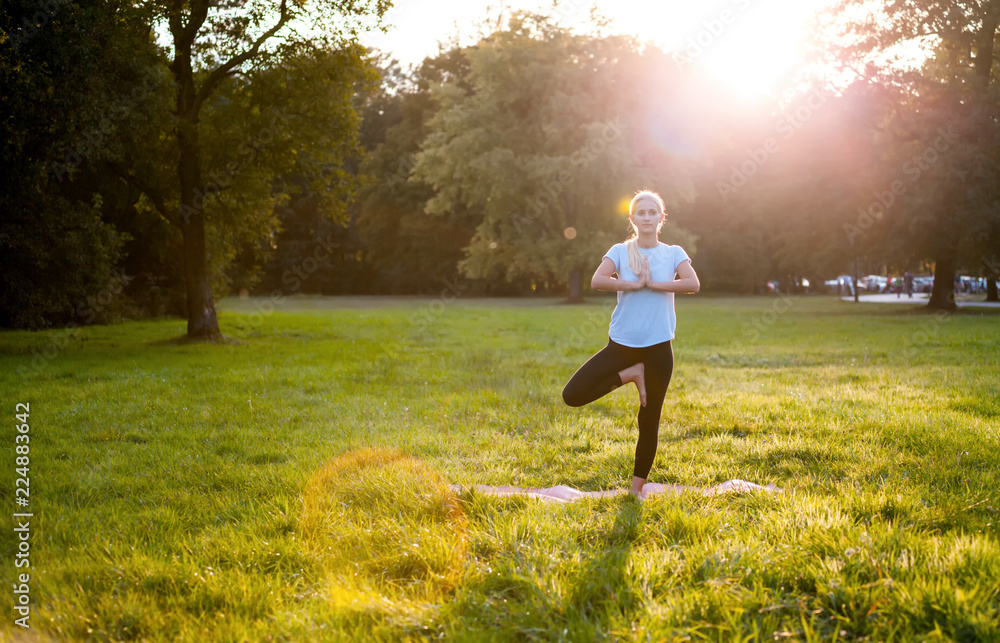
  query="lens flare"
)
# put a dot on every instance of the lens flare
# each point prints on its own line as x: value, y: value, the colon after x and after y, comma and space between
x: 388, y: 531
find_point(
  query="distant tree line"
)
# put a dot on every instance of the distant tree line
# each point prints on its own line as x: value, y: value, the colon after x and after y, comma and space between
x: 147, y: 180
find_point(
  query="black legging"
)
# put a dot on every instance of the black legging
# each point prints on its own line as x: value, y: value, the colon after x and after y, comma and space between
x: 599, y: 376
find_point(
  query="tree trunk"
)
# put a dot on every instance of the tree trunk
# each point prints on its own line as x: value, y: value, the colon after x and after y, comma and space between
x: 857, y: 286
x: 984, y: 49
x: 576, y: 286
x: 202, y: 320
x: 984, y: 70
x: 943, y: 293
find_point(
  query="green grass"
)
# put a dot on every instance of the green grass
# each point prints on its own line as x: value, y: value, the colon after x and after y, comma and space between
x: 254, y: 490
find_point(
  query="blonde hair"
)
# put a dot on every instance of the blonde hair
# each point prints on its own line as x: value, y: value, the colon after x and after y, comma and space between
x: 632, y: 243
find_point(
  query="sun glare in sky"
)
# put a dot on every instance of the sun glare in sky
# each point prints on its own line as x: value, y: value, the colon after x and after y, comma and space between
x: 748, y: 45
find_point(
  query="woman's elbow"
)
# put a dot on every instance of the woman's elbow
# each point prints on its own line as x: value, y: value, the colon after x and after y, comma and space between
x: 696, y: 286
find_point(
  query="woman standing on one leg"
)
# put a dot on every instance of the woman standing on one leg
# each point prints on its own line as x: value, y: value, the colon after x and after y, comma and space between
x: 642, y: 325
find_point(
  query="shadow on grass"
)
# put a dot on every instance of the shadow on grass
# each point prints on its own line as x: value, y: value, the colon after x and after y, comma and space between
x: 512, y: 603
x: 711, y: 431
x: 184, y: 340
x: 866, y: 309
x: 780, y: 456
x: 602, y: 590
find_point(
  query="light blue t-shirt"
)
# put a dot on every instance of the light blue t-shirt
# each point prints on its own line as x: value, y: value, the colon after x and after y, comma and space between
x: 643, y: 317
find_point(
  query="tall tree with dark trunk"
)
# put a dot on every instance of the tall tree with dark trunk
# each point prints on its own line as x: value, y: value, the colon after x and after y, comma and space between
x: 219, y: 51
x: 944, y: 128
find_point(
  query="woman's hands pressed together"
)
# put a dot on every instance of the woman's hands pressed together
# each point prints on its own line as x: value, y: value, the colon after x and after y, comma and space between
x: 645, y: 278
x: 604, y: 280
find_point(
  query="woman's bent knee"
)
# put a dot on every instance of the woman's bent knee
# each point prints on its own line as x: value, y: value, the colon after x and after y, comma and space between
x: 571, y: 398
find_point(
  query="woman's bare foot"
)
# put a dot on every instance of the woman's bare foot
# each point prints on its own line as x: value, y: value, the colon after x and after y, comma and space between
x: 637, y: 488
x: 636, y: 373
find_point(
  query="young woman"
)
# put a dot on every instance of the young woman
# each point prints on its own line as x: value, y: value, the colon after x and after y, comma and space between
x: 642, y: 325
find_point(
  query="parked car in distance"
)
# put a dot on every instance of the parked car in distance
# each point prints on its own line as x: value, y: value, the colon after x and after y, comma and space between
x: 972, y: 284
x: 844, y: 282
x: 923, y: 284
x: 873, y: 283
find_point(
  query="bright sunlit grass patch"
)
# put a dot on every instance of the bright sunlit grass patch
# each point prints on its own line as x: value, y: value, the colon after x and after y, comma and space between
x: 232, y: 491
x: 386, y: 529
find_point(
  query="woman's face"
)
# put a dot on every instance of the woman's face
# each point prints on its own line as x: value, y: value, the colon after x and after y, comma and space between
x: 646, y: 214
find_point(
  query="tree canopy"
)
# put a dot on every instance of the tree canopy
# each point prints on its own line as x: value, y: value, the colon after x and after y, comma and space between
x: 538, y: 145
x: 253, y: 153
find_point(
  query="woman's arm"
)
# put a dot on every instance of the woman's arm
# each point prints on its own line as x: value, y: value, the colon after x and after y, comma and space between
x: 604, y: 281
x: 687, y: 284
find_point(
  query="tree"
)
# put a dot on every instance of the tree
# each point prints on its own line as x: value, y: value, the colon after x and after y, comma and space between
x: 62, y: 67
x: 944, y: 125
x: 811, y: 192
x: 270, y: 101
x: 409, y: 250
x: 536, y: 146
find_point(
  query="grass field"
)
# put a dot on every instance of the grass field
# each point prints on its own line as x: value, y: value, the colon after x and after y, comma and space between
x: 293, y: 484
